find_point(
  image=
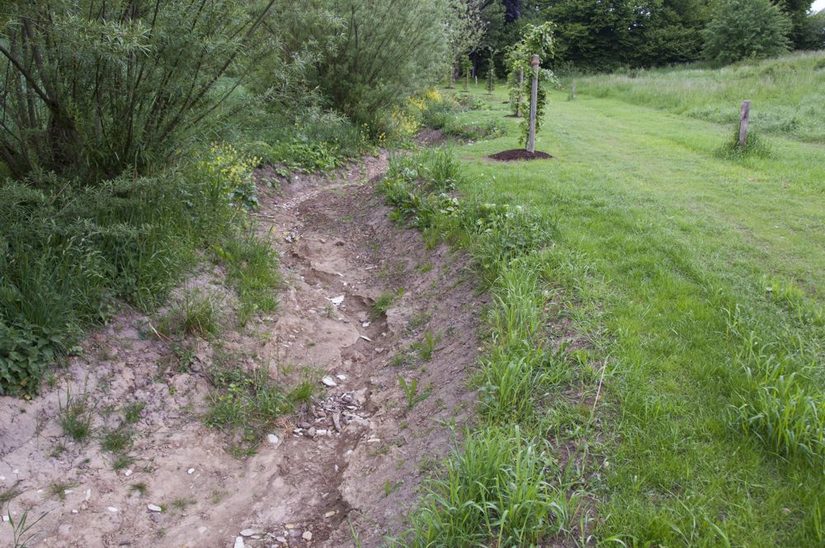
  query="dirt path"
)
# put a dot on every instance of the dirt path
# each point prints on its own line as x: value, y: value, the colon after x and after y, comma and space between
x: 345, y: 469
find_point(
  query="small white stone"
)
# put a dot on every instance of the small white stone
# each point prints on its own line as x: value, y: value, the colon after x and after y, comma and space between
x: 307, y: 535
x: 112, y: 509
x: 154, y: 508
x: 329, y: 381
x: 5, y: 518
x: 330, y: 514
x: 273, y: 439
x: 128, y: 473
x: 250, y: 532
x: 366, y: 338
x: 341, y: 377
x: 282, y: 540
x: 74, y: 511
x: 190, y: 471
x: 239, y: 542
x: 321, y: 432
x: 365, y: 324
x: 88, y: 494
x: 337, y: 301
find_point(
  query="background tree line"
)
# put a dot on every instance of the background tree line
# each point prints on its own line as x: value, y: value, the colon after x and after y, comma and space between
x: 606, y: 34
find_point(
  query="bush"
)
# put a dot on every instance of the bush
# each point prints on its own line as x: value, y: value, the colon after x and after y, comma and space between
x: 108, y: 85
x: 384, y: 53
x: 746, y: 29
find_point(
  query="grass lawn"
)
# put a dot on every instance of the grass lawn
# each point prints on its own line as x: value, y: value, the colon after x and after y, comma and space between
x: 684, y: 270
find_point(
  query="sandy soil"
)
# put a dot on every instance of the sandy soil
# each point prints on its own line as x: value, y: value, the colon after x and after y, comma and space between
x: 345, y: 469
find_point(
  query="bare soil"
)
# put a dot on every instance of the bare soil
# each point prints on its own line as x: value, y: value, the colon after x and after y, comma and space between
x: 519, y: 154
x: 346, y: 469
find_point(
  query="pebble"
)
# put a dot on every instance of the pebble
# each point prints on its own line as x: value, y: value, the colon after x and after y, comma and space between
x: 307, y: 535
x: 341, y: 377
x: 365, y: 324
x: 366, y: 338
x: 250, y: 532
x: 128, y: 473
x: 312, y: 432
x: 321, y: 432
x: 5, y: 518
x: 154, y: 508
x: 112, y: 509
x: 337, y: 301
x: 329, y: 381
x: 190, y: 471
x: 273, y: 439
x: 379, y: 350
x: 330, y: 514
x: 282, y: 540
x: 239, y: 542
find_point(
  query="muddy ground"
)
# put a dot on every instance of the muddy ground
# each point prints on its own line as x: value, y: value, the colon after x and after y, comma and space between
x: 343, y: 470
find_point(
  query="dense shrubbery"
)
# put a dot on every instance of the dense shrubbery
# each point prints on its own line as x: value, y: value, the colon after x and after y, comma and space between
x: 133, y: 126
x: 66, y: 255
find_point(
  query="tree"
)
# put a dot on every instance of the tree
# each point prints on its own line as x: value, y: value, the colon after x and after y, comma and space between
x: 465, y: 30
x: 535, y: 40
x: 745, y: 29
x: 797, y: 12
x: 814, y: 32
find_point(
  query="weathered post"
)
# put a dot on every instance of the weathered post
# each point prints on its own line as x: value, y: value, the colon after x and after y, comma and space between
x: 520, y: 91
x: 744, y: 120
x: 573, y: 92
x: 534, y: 99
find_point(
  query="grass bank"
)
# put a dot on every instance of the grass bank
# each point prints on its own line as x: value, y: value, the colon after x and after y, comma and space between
x: 787, y: 93
x: 693, y: 285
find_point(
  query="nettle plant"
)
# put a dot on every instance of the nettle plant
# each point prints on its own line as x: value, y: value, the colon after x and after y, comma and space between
x: 535, y: 40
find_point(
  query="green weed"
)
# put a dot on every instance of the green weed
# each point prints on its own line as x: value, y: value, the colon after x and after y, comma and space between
x: 245, y: 403
x: 252, y: 270
x: 117, y: 440
x: 132, y: 412
x: 196, y: 314
x: 411, y: 393
x: 426, y: 346
x: 75, y: 418
x: 384, y: 301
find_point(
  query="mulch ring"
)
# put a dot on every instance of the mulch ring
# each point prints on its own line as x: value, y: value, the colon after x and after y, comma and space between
x: 518, y: 154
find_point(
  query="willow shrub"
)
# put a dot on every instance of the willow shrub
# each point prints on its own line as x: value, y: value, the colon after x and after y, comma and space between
x: 91, y: 88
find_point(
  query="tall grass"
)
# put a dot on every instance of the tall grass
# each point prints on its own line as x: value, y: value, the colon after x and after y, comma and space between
x: 495, y: 492
x: 497, y: 489
x: 787, y: 93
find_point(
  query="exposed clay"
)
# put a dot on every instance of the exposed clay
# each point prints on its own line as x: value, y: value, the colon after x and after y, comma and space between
x: 352, y: 461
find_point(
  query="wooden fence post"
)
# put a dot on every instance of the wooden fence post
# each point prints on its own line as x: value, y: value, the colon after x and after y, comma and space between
x: 520, y: 91
x: 534, y: 99
x: 744, y: 120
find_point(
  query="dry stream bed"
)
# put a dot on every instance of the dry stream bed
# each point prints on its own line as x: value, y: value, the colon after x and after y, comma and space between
x: 346, y: 467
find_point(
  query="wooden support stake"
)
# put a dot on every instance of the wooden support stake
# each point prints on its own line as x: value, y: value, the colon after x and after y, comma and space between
x: 744, y: 120
x: 535, y: 62
x: 520, y: 91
